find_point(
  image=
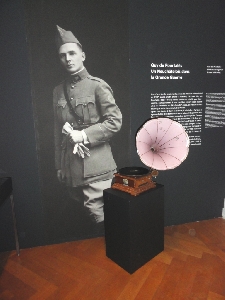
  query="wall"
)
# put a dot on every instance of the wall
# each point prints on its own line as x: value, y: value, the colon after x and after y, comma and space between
x: 105, y: 43
x: 182, y: 36
x: 172, y: 32
x: 17, y: 136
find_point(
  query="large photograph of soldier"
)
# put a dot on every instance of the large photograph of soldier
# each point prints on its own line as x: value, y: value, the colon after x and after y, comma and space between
x: 85, y: 118
x: 80, y: 91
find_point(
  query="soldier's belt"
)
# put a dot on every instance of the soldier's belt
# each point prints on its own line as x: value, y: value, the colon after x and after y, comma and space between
x: 81, y: 127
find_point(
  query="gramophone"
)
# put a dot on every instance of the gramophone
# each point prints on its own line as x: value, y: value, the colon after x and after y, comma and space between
x: 162, y: 144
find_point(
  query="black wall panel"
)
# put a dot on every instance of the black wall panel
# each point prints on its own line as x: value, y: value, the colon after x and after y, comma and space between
x: 185, y: 35
x: 18, y: 155
x: 190, y: 33
x: 102, y: 29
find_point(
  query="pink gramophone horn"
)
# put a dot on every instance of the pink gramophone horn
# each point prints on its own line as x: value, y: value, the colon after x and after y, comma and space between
x: 162, y: 144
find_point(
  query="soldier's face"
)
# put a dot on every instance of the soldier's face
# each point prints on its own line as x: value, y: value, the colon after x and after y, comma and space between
x: 71, y: 57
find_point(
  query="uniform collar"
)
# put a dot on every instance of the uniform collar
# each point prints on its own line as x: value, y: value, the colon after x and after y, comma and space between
x: 79, y: 75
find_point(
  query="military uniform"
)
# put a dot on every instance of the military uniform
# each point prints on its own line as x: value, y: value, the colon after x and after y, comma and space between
x: 99, y: 117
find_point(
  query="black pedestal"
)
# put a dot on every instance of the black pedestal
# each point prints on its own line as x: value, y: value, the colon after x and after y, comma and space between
x: 134, y: 226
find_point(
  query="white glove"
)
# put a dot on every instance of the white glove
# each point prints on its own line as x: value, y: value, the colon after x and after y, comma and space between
x: 79, y: 148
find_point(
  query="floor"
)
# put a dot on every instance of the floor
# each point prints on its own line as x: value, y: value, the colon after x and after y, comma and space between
x: 192, y: 266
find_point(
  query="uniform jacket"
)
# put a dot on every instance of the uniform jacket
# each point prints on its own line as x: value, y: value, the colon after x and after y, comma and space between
x: 99, y: 117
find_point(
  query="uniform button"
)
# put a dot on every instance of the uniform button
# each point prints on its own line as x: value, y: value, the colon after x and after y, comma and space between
x: 72, y: 86
x: 71, y: 98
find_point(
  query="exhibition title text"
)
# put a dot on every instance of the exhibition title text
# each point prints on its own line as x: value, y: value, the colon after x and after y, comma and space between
x: 167, y: 71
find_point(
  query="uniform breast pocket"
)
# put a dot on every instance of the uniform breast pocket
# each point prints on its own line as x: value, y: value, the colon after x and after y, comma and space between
x: 61, y: 109
x: 86, y: 107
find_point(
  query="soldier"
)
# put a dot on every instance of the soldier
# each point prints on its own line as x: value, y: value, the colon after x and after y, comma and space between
x: 85, y: 118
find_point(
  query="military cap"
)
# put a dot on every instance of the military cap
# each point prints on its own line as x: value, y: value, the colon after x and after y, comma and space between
x: 63, y: 37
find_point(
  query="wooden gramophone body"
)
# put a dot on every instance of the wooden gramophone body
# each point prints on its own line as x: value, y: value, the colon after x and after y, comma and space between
x: 134, y: 180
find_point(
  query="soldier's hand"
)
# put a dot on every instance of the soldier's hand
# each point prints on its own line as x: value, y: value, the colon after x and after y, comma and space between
x: 76, y: 137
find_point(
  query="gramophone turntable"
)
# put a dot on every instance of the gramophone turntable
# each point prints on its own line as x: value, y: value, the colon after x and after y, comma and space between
x: 134, y: 180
